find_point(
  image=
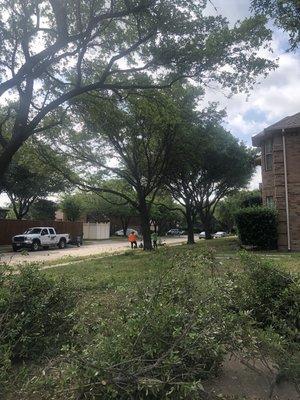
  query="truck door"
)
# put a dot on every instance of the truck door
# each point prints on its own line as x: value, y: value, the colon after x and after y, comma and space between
x: 52, y: 235
x: 45, y: 237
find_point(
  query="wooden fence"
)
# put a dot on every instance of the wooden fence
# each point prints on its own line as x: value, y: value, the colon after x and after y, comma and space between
x: 12, y: 227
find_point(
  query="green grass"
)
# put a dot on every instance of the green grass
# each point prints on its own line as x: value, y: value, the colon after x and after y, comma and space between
x: 110, y: 271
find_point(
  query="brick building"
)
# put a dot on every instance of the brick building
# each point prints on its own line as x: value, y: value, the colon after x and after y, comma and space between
x: 280, y: 162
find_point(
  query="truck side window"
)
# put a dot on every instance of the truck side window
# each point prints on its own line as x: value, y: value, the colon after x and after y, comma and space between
x: 51, y: 231
x: 44, y: 232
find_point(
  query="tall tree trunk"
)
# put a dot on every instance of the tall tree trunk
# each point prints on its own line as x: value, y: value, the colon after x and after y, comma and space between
x: 190, y: 225
x: 207, y: 224
x: 145, y: 224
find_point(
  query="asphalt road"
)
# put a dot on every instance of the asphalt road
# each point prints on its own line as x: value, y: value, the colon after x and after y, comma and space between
x: 88, y: 249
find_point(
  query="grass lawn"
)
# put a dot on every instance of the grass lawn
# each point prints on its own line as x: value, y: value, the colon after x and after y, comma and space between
x: 102, y: 283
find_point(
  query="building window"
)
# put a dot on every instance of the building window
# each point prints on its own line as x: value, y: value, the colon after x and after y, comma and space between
x: 270, y: 201
x: 269, y: 155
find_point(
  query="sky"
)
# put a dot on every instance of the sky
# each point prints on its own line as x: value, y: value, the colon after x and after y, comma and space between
x: 272, y: 98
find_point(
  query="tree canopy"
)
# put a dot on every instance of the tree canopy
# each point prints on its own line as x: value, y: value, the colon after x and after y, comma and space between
x: 211, y: 164
x: 138, y: 133
x: 28, y: 179
x: 52, y: 51
x: 286, y: 15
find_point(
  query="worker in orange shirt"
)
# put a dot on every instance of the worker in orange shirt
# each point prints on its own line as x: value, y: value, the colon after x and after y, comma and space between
x: 132, y: 238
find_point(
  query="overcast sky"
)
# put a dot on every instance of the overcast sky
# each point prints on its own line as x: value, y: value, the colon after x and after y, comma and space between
x: 273, y: 98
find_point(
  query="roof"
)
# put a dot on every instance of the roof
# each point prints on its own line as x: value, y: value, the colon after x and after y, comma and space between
x: 291, y: 122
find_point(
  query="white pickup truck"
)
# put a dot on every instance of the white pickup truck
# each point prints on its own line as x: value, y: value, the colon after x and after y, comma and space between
x: 45, y: 237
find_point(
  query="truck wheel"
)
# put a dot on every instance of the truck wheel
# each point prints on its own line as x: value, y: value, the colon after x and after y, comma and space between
x: 62, y: 244
x: 35, y: 246
x: 14, y: 247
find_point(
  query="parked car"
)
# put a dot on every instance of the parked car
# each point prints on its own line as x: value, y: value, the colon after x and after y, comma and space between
x: 219, y: 234
x: 202, y: 235
x: 175, y: 232
x: 128, y: 231
x: 37, y: 237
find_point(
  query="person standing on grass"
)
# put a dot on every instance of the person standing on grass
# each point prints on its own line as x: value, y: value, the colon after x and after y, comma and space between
x: 132, y: 238
x: 154, y: 238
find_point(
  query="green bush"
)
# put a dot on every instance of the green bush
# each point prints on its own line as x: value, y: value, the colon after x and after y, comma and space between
x: 165, y: 338
x: 257, y: 226
x: 272, y: 295
x: 36, y: 313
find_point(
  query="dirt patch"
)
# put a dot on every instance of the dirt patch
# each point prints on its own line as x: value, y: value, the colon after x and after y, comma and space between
x: 240, y: 382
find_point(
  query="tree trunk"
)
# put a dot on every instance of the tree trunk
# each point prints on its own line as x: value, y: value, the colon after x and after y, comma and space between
x: 207, y: 224
x: 125, y: 222
x: 7, y: 153
x: 145, y: 225
x: 190, y: 226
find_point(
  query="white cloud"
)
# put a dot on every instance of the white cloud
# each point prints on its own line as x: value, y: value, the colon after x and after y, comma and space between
x: 272, y: 99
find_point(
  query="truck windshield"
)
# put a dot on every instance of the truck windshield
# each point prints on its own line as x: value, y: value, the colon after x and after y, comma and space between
x: 31, y: 231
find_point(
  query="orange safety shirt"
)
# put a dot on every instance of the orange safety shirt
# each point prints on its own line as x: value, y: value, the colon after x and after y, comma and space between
x: 132, y: 237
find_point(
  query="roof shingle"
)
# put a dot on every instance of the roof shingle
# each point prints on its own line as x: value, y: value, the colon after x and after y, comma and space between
x: 290, y: 122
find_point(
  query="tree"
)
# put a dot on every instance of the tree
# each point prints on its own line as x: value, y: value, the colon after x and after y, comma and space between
x: 52, y: 51
x: 138, y: 133
x: 226, y: 166
x: 186, y: 158
x: 213, y: 164
x: 43, y: 209
x: 285, y: 13
x: 23, y: 186
x: 72, y: 207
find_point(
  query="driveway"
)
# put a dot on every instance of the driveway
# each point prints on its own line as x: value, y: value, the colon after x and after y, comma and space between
x: 88, y: 249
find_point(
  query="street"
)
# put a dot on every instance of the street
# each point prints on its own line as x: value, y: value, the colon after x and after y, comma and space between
x: 91, y: 248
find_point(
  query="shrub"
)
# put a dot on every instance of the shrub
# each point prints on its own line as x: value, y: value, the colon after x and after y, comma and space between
x: 257, y: 226
x: 272, y: 295
x: 36, y: 313
x: 168, y: 336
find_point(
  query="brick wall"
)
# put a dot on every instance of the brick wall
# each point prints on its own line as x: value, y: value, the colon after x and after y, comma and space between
x: 293, y: 168
x: 274, y: 185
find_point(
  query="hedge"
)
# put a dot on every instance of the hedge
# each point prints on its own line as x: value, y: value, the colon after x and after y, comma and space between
x: 257, y: 226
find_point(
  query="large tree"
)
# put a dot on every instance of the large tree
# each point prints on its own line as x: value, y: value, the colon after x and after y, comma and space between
x: 30, y: 178
x: 138, y: 134
x: 72, y: 207
x: 52, y: 51
x: 213, y: 164
x: 226, y: 166
x: 286, y: 15
x: 43, y: 209
x: 24, y: 186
